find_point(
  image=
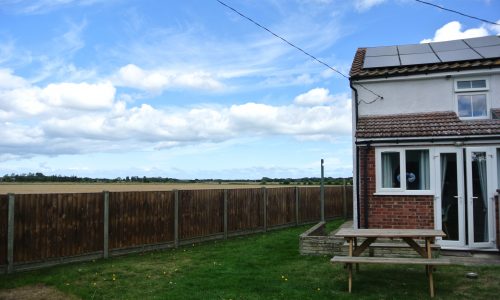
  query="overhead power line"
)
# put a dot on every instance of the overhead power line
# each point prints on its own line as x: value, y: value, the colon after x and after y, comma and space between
x: 296, y: 47
x: 457, y: 12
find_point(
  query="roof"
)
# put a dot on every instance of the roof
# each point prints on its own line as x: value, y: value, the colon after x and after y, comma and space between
x: 436, y: 124
x: 402, y: 60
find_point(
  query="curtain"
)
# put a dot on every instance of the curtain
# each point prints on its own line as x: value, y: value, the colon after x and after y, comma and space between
x: 424, y: 183
x: 481, y: 167
x: 387, y: 169
x: 444, y: 167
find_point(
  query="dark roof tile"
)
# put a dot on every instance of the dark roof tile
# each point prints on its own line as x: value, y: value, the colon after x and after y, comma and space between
x: 424, y: 125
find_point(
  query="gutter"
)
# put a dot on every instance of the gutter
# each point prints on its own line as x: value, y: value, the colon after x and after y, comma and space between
x: 427, y: 139
x: 356, y: 152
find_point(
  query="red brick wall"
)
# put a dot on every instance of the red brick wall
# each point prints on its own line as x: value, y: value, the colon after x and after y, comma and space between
x: 391, y: 211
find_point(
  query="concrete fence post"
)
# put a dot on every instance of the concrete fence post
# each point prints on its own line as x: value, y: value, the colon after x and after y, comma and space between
x: 10, y: 234
x: 106, y: 225
x: 264, y: 205
x: 322, y: 191
x: 344, y: 200
x: 176, y: 218
x: 225, y: 214
x: 297, y: 205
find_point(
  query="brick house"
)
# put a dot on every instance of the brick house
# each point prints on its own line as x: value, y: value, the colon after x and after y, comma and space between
x: 432, y: 113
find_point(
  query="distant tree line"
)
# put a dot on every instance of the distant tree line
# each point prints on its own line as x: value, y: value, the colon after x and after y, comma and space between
x: 40, y: 177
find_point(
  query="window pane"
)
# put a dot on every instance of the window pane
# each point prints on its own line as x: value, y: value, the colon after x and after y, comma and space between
x: 479, y: 105
x: 464, y: 84
x: 390, y: 170
x: 478, y: 83
x: 417, y: 170
x: 464, y: 106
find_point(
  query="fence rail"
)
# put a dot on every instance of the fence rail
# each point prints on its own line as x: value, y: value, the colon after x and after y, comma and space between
x: 38, y: 230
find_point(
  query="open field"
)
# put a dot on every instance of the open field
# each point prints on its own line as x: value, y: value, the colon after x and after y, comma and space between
x: 45, y: 188
x: 270, y: 268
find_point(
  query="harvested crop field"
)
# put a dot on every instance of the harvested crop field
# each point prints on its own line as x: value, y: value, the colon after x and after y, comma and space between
x: 46, y: 188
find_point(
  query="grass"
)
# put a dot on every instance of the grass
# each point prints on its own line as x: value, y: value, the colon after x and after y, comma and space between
x: 262, y: 266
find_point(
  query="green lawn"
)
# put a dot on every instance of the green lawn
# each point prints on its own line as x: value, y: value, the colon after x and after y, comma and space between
x: 262, y: 266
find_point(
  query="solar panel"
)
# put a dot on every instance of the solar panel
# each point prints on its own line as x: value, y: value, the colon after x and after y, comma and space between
x: 380, y: 51
x: 414, y: 49
x: 435, y: 52
x: 484, y: 41
x: 489, y: 52
x: 449, y: 46
x: 418, y: 59
x: 381, y: 61
x: 458, y: 55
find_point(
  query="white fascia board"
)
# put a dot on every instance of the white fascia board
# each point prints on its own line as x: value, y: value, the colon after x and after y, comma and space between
x: 429, y: 76
x: 443, y: 140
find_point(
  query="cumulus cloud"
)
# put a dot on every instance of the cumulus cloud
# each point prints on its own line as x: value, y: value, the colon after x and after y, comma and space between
x: 319, y: 96
x: 69, y: 118
x: 364, y: 5
x: 453, y: 31
x: 495, y: 28
x: 161, y: 79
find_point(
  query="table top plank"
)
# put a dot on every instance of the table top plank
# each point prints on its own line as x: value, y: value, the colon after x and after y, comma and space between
x: 389, y: 233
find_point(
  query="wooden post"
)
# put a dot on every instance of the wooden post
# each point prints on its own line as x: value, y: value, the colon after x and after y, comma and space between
x: 176, y: 218
x: 106, y: 225
x: 344, y: 200
x: 10, y: 234
x: 264, y: 204
x: 297, y: 205
x: 322, y: 191
x: 225, y: 214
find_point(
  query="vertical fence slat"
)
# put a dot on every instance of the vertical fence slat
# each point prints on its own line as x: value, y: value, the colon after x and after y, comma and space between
x: 10, y: 235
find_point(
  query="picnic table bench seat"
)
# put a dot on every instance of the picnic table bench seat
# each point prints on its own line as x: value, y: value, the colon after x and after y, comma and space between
x: 391, y: 260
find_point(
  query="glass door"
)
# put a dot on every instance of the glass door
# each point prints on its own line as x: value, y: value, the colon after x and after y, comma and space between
x: 450, y: 204
x: 480, y: 177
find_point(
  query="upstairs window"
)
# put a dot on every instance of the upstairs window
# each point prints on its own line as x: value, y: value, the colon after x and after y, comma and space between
x: 472, y: 98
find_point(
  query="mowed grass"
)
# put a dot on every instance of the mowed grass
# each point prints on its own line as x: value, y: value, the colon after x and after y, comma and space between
x: 262, y: 266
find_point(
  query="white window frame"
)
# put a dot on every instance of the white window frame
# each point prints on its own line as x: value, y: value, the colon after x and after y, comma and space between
x: 458, y: 90
x: 402, y: 170
x: 472, y: 91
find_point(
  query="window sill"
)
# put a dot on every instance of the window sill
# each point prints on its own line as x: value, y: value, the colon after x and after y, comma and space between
x: 404, y: 193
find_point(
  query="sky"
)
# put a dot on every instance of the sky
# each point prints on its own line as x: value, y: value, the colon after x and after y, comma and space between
x: 189, y: 89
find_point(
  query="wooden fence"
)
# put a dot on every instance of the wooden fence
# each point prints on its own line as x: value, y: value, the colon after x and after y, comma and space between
x: 38, y: 230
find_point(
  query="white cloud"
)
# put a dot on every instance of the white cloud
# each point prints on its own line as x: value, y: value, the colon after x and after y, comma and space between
x: 364, y: 5
x: 453, y: 31
x: 319, y: 96
x: 159, y: 80
x: 79, y: 95
x: 495, y: 28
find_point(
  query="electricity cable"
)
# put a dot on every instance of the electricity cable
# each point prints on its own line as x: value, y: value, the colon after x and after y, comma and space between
x: 457, y: 12
x: 296, y: 47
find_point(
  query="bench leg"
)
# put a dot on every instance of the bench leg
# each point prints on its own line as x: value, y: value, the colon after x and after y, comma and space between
x: 431, y: 282
x: 350, y: 277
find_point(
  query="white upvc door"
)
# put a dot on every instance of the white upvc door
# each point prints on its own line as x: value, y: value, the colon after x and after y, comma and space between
x: 481, y: 182
x: 449, y: 197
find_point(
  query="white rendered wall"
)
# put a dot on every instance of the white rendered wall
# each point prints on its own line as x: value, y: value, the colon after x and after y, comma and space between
x: 419, y: 94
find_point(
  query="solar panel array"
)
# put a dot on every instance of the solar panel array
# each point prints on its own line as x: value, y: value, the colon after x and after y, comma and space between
x: 436, y: 52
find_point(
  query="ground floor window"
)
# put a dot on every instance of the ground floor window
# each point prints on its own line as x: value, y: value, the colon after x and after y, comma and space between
x: 401, y: 170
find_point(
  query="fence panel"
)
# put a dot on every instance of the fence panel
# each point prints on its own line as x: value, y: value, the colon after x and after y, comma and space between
x: 309, y: 204
x: 280, y: 206
x: 349, y: 196
x: 244, y: 209
x: 201, y: 213
x: 4, y: 210
x: 57, y: 225
x: 334, y: 201
x: 140, y: 218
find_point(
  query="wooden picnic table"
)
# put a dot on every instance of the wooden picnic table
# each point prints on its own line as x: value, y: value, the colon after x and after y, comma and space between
x: 407, y: 235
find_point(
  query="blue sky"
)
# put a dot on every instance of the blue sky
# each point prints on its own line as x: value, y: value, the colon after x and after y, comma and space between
x: 189, y: 89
